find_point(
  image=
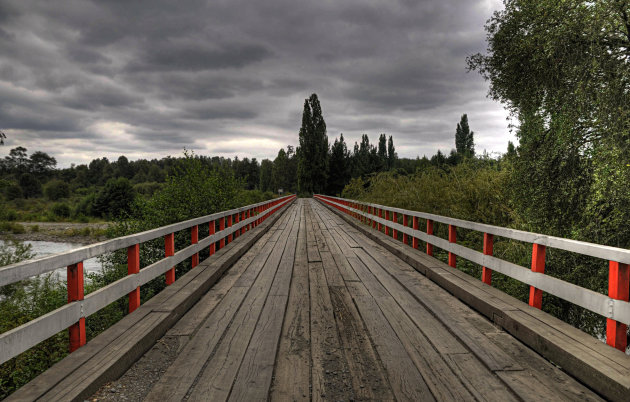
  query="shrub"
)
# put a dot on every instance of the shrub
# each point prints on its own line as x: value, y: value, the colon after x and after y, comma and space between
x: 61, y: 210
x: 56, y: 190
x: 115, y: 199
x: 31, y: 187
x: 8, y: 215
x: 12, y: 191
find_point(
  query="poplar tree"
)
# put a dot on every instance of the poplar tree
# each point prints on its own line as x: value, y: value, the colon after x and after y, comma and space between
x: 464, y: 142
x: 391, y: 153
x: 313, y: 150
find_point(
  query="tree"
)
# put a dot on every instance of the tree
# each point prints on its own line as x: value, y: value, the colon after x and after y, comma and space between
x: 41, y: 162
x: 3, y: 137
x: 382, y: 152
x: 17, y: 161
x: 313, y: 150
x: 115, y: 199
x: 464, y: 142
x: 339, y: 167
x: 266, y: 171
x: 31, y: 187
x: 56, y: 190
x: 391, y: 153
x: 281, y: 172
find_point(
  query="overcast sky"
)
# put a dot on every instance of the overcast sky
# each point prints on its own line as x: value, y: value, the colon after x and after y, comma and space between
x: 85, y: 79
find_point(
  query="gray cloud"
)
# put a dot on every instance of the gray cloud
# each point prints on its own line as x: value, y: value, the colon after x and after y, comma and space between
x: 148, y: 78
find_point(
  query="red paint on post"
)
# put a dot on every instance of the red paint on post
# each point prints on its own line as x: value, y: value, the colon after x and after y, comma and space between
x: 75, y: 293
x: 211, y: 230
x: 488, y: 246
x: 194, y: 239
x: 245, y: 226
x: 618, y: 289
x: 380, y: 215
x: 416, y: 225
x: 169, y: 251
x: 221, y: 228
x: 386, y: 218
x: 538, y: 265
x: 405, y: 224
x: 229, y: 225
x: 133, y: 267
x: 452, y: 238
x: 394, y: 231
x: 429, y: 232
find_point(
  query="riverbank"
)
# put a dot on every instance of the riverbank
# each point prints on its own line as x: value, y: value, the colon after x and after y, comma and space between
x: 85, y: 233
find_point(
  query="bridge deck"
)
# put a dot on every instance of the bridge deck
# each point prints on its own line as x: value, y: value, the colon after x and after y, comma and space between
x: 316, y: 310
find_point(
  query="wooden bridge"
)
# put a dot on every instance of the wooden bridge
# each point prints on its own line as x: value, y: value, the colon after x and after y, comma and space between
x: 327, y: 299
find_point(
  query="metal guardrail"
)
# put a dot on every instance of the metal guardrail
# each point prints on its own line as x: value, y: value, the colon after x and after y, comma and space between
x: 614, y: 306
x: 72, y: 315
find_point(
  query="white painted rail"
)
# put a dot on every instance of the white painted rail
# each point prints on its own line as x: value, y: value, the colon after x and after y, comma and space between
x: 615, y: 310
x: 20, y: 339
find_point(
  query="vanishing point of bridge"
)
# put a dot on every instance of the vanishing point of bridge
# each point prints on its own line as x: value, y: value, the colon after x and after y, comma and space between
x: 309, y: 303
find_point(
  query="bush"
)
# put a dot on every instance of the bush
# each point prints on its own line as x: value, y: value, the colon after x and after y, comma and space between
x: 31, y: 187
x: 8, y: 215
x: 12, y: 227
x: 61, y: 210
x: 147, y: 188
x: 12, y: 191
x: 56, y: 190
x: 115, y: 199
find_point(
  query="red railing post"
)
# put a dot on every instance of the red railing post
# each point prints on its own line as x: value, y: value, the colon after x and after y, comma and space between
x: 211, y: 230
x: 488, y: 245
x: 452, y: 238
x: 429, y: 232
x: 249, y: 215
x: 380, y: 215
x: 394, y: 231
x: 133, y: 267
x: 75, y: 293
x: 386, y: 218
x: 244, y: 226
x: 538, y: 265
x: 169, y: 251
x: 416, y: 225
x: 221, y: 228
x: 618, y: 289
x: 237, y: 220
x: 405, y: 224
x: 194, y: 239
x: 229, y: 225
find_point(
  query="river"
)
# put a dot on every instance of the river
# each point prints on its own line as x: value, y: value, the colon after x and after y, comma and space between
x: 44, y: 248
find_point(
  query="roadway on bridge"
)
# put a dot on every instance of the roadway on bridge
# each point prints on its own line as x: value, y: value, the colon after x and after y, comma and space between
x: 317, y: 311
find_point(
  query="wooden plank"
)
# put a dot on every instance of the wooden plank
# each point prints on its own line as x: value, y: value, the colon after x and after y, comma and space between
x: 404, y: 378
x: 292, y: 372
x: 178, y: 379
x: 483, y: 385
x: 217, y: 377
x: 546, y: 375
x: 256, y: 369
x: 328, y: 361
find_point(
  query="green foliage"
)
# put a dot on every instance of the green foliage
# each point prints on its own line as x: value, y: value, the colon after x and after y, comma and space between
x: 338, y: 167
x: 313, y: 151
x: 464, y: 138
x: 31, y: 187
x: 115, y: 199
x: 147, y: 189
x: 61, y: 209
x: 266, y: 175
x: 12, y: 227
x: 56, y: 190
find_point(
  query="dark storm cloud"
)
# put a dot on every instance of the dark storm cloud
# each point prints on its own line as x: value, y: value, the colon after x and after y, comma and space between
x: 158, y: 76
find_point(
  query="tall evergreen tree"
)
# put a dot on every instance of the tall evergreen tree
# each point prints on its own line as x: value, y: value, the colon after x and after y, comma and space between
x: 338, y: 167
x: 391, y: 153
x: 464, y: 141
x: 313, y: 151
x: 382, y: 152
x: 266, y: 169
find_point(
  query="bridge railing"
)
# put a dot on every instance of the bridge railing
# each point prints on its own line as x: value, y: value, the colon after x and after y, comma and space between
x: 72, y: 315
x: 614, y: 306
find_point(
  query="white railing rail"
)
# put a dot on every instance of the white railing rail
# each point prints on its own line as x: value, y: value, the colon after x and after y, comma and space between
x: 231, y: 224
x: 614, y: 306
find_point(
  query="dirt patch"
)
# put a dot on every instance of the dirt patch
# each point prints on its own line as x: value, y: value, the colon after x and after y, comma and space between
x: 85, y: 233
x: 136, y: 383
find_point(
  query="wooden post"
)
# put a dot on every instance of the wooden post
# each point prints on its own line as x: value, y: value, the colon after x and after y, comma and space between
x: 380, y: 215
x: 221, y: 228
x: 452, y: 238
x: 229, y: 225
x: 373, y: 221
x: 194, y: 239
x: 618, y: 289
x: 386, y: 218
x: 211, y: 230
x: 429, y: 232
x: 169, y: 251
x: 394, y: 231
x: 538, y: 265
x: 243, y: 218
x: 488, y: 245
x: 405, y: 224
x: 249, y: 215
x: 414, y: 240
x: 133, y: 267
x: 75, y: 293
x: 237, y: 217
